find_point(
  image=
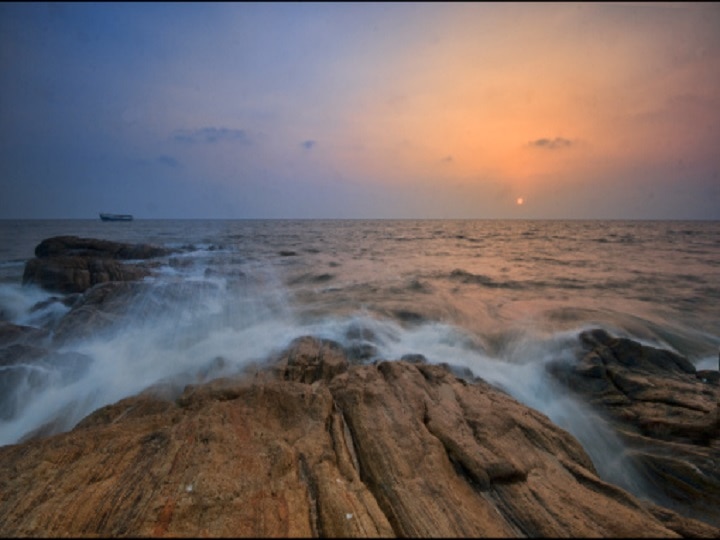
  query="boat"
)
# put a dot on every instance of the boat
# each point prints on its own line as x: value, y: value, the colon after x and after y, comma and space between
x: 116, y: 217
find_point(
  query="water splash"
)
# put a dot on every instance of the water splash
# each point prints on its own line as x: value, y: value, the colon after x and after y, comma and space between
x: 519, y: 368
x: 185, y: 330
x: 29, y: 305
x: 192, y: 323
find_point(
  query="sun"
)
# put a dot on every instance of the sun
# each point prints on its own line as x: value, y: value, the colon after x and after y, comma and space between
x: 520, y: 201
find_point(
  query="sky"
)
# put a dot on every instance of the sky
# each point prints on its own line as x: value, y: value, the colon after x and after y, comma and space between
x: 370, y: 110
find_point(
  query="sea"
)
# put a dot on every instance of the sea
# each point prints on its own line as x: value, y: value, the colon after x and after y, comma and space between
x: 500, y: 298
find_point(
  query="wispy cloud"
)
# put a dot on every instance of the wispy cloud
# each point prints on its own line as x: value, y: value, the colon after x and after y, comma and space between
x: 551, y: 144
x: 168, y: 161
x: 212, y: 135
x: 447, y: 159
x: 308, y: 144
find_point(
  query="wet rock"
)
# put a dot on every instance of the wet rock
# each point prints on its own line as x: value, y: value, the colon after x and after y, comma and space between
x: 414, y: 358
x: 69, y: 264
x: 11, y: 334
x: 665, y: 411
x: 77, y: 274
x: 96, y: 310
x: 27, y: 366
x: 359, y: 331
x: 416, y: 285
x: 314, y: 445
x: 410, y: 317
x: 361, y: 352
x: 133, y: 303
x: 73, y: 246
x: 310, y: 359
x: 361, y: 342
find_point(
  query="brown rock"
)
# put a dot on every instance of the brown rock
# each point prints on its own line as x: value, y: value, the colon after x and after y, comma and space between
x: 96, y: 310
x: 77, y: 274
x: 69, y: 264
x: 666, y: 413
x: 95, y: 248
x: 106, y: 304
x: 317, y: 446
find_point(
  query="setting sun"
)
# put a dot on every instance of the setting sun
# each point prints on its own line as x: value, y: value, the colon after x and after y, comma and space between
x: 520, y: 201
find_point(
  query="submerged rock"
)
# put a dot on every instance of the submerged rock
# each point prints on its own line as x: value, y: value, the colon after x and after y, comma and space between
x: 11, y: 334
x: 667, y: 414
x: 69, y: 264
x: 98, y: 309
x: 315, y: 445
x: 28, y: 365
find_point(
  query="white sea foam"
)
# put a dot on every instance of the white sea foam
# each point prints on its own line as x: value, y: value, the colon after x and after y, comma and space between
x: 181, y: 331
x: 187, y: 328
x: 19, y: 305
x: 211, y: 311
x: 519, y: 369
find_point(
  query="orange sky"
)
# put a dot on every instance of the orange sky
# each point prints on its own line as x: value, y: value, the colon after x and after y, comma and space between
x: 371, y: 110
x: 618, y: 83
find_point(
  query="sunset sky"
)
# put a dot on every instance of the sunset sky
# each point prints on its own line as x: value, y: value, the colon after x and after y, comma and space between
x: 337, y: 110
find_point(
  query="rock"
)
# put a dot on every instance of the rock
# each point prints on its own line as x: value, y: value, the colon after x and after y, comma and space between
x: 709, y: 376
x: 73, y: 246
x: 27, y: 365
x: 309, y: 360
x: 77, y: 274
x: 314, y: 445
x: 132, y: 303
x: 11, y: 334
x: 69, y: 264
x: 96, y: 310
x: 414, y: 358
x: 665, y: 411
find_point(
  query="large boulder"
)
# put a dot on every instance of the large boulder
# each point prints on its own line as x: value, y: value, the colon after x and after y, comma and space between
x: 666, y: 412
x: 314, y: 445
x: 96, y: 248
x: 69, y: 264
x: 77, y: 274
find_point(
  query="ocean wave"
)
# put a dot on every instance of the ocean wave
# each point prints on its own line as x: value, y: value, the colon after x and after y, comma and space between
x: 212, y: 312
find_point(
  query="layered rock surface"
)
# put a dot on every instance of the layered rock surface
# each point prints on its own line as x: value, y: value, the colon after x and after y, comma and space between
x: 69, y: 264
x: 314, y: 445
x: 666, y: 412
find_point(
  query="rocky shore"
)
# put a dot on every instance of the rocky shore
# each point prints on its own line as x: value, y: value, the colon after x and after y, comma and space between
x: 666, y: 413
x: 70, y: 264
x: 317, y: 442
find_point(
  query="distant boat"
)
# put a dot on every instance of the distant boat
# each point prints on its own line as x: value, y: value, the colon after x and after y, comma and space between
x: 116, y: 217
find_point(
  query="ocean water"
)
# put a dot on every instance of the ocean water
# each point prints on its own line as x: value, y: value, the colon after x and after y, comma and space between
x: 501, y: 298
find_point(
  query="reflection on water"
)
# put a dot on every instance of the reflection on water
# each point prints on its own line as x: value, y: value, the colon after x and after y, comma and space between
x: 500, y: 298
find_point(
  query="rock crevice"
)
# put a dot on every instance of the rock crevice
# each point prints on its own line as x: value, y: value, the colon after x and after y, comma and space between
x: 667, y: 414
x: 317, y: 445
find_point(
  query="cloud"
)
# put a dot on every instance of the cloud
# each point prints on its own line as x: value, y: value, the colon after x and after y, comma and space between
x: 169, y: 161
x: 551, y: 144
x: 308, y: 144
x: 447, y: 159
x: 212, y: 135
